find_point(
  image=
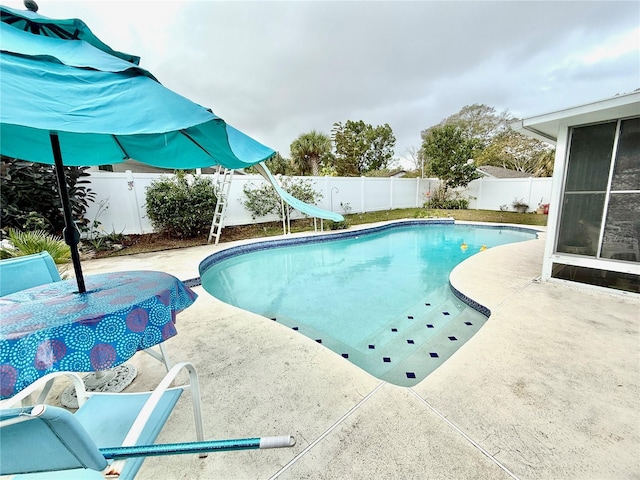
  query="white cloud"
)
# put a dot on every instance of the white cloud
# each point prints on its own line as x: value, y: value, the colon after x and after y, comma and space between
x: 615, y: 47
x: 279, y: 69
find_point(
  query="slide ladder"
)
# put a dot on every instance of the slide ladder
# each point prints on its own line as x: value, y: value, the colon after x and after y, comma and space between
x: 223, y: 184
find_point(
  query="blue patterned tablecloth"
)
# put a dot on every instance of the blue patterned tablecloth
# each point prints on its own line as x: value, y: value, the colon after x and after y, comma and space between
x: 53, y: 328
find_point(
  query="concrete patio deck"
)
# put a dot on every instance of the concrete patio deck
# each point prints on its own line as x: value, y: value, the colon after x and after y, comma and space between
x: 547, y: 389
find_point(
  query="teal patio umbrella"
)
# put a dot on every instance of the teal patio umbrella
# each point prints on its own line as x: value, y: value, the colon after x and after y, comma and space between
x: 68, y: 99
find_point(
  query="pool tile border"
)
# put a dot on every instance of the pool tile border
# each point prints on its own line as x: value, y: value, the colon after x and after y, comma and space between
x: 340, y: 235
x: 326, y: 237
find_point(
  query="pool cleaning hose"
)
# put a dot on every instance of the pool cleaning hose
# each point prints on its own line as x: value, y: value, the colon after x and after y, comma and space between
x: 197, y: 447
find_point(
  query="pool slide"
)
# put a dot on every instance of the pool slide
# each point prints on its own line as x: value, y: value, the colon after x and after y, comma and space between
x: 299, y: 205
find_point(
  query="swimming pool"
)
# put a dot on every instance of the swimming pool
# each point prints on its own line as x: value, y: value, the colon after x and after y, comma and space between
x: 380, y: 297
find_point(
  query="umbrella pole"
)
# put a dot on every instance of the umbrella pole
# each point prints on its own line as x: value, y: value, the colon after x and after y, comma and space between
x: 70, y: 232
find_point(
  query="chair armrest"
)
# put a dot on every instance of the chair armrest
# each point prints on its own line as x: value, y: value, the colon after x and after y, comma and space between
x: 147, y: 410
x: 44, y: 383
x: 152, y: 402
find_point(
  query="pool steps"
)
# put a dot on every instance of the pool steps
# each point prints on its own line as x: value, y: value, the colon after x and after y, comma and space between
x: 431, y: 347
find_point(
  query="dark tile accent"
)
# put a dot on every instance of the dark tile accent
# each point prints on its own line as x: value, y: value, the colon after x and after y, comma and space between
x: 410, y: 342
x: 411, y: 375
x: 453, y: 339
x: 428, y: 304
x: 192, y: 282
x: 410, y: 317
x: 446, y: 313
x: 468, y: 323
x: 345, y: 355
x: 372, y: 347
x: 429, y: 325
x: 319, y: 340
x: 274, y: 319
x: 386, y: 359
x: 295, y: 328
x: 472, y: 303
x: 394, y: 329
x: 433, y: 354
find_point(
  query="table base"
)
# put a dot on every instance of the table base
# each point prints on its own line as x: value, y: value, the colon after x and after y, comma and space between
x: 113, y: 381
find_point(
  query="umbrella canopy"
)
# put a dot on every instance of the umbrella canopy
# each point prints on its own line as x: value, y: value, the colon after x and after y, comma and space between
x: 104, y: 108
x: 71, y: 29
x: 66, y: 98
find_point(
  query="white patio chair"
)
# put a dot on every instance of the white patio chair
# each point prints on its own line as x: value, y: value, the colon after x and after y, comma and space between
x: 110, y: 434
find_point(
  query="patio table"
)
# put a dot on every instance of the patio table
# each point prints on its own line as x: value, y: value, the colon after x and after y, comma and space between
x: 52, y: 327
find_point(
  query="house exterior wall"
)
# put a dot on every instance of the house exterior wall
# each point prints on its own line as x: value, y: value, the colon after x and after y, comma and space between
x: 566, y: 264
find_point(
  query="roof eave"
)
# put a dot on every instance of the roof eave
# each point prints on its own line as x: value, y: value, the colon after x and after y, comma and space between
x: 531, y: 131
x: 546, y: 127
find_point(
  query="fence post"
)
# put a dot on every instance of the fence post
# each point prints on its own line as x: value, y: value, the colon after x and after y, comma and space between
x: 362, y: 193
x: 391, y: 193
x: 327, y: 193
x: 133, y: 201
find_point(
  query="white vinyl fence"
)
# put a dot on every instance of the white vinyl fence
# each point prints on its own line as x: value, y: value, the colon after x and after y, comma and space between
x: 496, y: 193
x: 119, y: 205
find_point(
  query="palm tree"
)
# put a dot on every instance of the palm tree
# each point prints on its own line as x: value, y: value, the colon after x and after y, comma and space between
x: 308, y: 150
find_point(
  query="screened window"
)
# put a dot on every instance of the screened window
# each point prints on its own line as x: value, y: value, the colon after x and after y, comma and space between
x: 600, y: 214
x: 585, y: 188
x: 622, y: 223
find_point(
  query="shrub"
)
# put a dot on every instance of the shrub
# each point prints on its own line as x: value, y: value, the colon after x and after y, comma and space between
x: 344, y: 224
x: 446, y: 200
x: 36, y: 241
x: 264, y: 200
x: 179, y: 207
x: 519, y: 205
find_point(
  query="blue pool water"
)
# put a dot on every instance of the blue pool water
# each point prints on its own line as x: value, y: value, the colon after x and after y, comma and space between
x: 379, y: 297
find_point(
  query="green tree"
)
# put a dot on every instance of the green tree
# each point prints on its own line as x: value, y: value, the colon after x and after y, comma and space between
x: 30, y: 198
x: 350, y: 146
x: 278, y: 165
x: 545, y: 163
x: 515, y: 151
x: 449, y: 153
x: 361, y: 147
x: 480, y: 122
x: 498, y: 143
x: 309, y: 150
x: 383, y: 172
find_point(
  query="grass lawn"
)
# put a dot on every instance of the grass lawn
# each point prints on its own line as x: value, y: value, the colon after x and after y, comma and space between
x: 469, y: 215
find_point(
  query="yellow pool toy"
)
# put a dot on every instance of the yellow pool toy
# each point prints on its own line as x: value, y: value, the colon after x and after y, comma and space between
x: 483, y: 248
x: 463, y: 246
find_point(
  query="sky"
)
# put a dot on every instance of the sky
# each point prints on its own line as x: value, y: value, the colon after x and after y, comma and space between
x: 277, y: 69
